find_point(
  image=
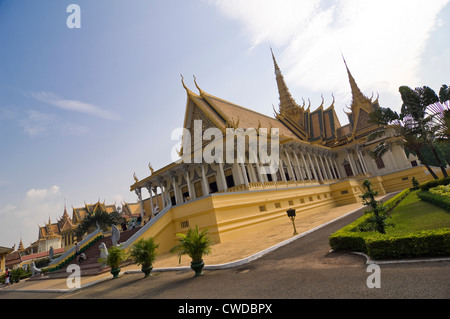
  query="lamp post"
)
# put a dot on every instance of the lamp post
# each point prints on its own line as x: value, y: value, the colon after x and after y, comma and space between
x: 291, y: 214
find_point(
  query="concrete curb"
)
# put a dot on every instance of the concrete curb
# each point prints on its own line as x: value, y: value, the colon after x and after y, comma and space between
x: 370, y: 261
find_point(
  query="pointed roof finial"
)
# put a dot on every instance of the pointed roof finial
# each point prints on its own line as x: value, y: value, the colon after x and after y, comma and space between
x: 277, y: 68
x: 182, y: 81
x: 286, y: 100
x: 195, y: 81
x: 357, y: 95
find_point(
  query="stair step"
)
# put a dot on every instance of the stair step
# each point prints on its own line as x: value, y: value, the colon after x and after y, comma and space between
x: 90, y: 266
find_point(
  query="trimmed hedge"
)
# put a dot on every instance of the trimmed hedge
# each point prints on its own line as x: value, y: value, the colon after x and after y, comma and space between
x: 436, y: 199
x: 381, y: 246
x: 418, y: 244
x: 436, y: 182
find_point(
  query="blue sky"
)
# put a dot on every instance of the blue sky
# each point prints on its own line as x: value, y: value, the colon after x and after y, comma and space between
x: 81, y: 110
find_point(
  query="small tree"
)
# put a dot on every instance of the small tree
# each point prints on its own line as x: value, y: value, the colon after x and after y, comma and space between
x: 115, y: 257
x: 377, y: 221
x: 195, y: 244
x: 415, y: 183
x: 144, y: 253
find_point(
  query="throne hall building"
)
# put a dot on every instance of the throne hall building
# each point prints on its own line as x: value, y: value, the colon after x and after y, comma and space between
x: 322, y: 164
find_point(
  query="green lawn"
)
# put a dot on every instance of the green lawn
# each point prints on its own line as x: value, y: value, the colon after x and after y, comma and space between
x: 413, y: 214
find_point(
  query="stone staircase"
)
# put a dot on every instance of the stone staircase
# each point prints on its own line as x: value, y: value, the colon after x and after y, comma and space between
x: 90, y: 266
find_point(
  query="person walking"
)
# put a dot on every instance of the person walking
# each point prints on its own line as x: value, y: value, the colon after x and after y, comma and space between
x: 7, y: 278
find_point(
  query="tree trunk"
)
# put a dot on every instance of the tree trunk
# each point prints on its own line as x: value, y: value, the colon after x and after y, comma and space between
x: 422, y: 160
x: 438, y: 159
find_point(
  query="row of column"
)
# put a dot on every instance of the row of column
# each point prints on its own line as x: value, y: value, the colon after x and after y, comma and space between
x: 362, y: 167
x: 315, y: 165
x: 301, y: 163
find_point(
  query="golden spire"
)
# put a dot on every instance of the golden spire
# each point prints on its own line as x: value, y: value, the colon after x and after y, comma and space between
x: 357, y: 96
x: 286, y: 100
x: 20, y: 248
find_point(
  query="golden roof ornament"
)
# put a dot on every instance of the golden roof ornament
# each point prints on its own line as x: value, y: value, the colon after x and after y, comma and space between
x: 151, y: 168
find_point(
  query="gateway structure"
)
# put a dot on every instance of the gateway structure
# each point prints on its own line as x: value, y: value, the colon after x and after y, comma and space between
x: 320, y: 164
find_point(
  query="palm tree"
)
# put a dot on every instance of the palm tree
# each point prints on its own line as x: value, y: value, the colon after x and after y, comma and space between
x: 100, y: 217
x: 415, y: 104
x: 439, y: 112
x: 403, y: 128
x: 114, y: 258
x: 195, y: 245
x: 144, y: 253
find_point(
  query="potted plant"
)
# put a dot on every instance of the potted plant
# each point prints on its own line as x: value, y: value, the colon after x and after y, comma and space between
x: 195, y: 245
x: 115, y: 257
x: 144, y: 253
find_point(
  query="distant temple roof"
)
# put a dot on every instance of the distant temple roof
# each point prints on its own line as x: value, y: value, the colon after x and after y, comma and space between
x: 79, y: 213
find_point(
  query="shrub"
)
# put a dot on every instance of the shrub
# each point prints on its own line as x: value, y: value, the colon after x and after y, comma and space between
x: 441, y: 190
x: 195, y: 244
x: 391, y: 203
x: 355, y: 237
x: 144, y: 252
x: 377, y: 210
x: 436, y: 182
x: 415, y: 184
x: 418, y: 244
x: 437, y: 199
x: 115, y: 257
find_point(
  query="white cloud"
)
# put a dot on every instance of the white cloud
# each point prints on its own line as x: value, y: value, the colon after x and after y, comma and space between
x: 44, y: 193
x: 382, y: 41
x: 24, y: 217
x: 74, y: 105
x: 36, y: 123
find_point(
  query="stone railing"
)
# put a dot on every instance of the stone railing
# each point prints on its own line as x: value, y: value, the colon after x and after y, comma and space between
x: 81, y: 244
x: 255, y: 186
x: 144, y: 228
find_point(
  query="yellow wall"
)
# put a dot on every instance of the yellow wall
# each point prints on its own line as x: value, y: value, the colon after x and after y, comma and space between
x: 2, y: 263
x: 230, y: 215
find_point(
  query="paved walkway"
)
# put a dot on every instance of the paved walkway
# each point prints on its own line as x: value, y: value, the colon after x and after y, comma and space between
x: 223, y: 255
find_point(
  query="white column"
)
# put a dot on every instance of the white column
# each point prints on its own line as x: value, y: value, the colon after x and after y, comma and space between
x: 308, y: 173
x: 355, y: 172
x: 205, y: 184
x: 258, y: 168
x: 149, y: 188
x: 188, y: 181
x: 289, y: 166
x: 391, y: 157
x: 337, y: 169
x: 141, y: 204
x: 361, y: 161
x: 222, y: 177
x: 324, y: 168
x: 176, y: 190
x: 244, y: 174
x: 364, y: 161
x: 318, y: 168
x: 163, y: 200
x: 330, y: 172
x: 313, y: 168
x: 283, y: 175
x: 299, y: 167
